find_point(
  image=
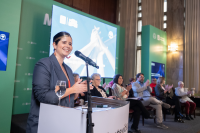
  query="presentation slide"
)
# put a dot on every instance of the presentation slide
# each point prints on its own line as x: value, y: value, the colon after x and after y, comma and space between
x: 4, y: 39
x: 157, y: 70
x: 93, y: 38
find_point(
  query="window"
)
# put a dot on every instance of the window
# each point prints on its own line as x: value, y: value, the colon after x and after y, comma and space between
x: 139, y: 42
x: 165, y: 16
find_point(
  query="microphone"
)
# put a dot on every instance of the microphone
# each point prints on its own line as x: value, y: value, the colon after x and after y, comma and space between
x: 86, y: 59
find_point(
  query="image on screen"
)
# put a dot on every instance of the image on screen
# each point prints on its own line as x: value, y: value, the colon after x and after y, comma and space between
x: 93, y: 38
x: 4, y: 39
x: 157, y: 70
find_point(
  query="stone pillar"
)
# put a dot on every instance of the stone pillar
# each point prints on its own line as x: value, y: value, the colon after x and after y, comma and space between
x: 175, y: 34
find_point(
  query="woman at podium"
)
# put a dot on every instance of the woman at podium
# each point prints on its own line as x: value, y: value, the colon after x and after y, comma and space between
x: 47, y: 72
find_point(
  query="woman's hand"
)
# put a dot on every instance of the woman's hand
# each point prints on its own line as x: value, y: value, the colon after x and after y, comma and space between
x: 189, y: 92
x: 104, y: 85
x: 107, y: 87
x: 112, y: 97
x: 80, y: 87
x: 128, y: 88
x: 82, y: 94
x: 124, y: 92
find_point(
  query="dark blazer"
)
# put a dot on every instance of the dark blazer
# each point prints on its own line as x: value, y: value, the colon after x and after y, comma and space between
x: 159, y: 92
x: 95, y: 92
x: 46, y: 73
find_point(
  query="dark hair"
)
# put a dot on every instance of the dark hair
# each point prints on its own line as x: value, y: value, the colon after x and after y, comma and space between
x: 116, y: 77
x: 131, y: 79
x: 75, y: 75
x: 59, y: 35
x: 138, y: 75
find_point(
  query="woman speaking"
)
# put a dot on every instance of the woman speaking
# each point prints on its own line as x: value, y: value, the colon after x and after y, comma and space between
x: 46, y: 73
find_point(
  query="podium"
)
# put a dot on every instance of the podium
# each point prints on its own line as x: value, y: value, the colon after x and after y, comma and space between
x: 56, y: 119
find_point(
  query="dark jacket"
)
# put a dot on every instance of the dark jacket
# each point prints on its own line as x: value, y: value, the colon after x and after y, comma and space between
x: 46, y: 73
x: 160, y: 93
x: 95, y: 92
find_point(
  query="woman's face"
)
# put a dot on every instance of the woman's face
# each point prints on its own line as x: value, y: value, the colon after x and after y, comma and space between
x: 163, y: 81
x: 96, y: 81
x: 64, y: 46
x: 120, y: 80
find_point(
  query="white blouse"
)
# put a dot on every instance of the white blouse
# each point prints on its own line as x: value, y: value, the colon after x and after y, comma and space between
x: 182, y: 93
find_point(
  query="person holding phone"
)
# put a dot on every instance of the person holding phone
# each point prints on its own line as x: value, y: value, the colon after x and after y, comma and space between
x: 46, y: 73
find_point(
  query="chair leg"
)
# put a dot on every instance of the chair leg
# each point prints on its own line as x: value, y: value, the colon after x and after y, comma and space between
x: 164, y: 115
x: 154, y: 114
x: 131, y: 117
x: 142, y: 120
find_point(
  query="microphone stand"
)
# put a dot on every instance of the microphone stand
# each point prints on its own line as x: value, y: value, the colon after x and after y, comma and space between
x: 90, y: 125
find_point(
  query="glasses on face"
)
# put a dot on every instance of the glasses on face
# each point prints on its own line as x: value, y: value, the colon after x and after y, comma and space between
x: 98, y: 79
x: 142, y: 77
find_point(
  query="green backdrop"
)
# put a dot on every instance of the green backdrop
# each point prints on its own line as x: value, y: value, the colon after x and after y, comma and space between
x: 9, y: 22
x: 154, y: 48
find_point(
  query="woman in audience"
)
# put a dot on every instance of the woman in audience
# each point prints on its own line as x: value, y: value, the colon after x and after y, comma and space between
x: 189, y: 104
x: 122, y: 93
x: 81, y: 97
x: 165, y: 93
x: 98, y: 90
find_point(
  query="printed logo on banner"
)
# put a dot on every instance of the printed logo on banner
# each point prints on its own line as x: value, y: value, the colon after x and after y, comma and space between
x: 29, y: 74
x: 68, y: 21
x: 110, y: 34
x: 159, y: 38
x: 26, y: 103
x: 47, y: 20
x: 124, y: 129
x: 154, y: 35
x: 2, y: 37
x: 31, y: 42
x: 30, y: 58
x: 19, y: 48
x: 27, y: 89
x: 44, y: 52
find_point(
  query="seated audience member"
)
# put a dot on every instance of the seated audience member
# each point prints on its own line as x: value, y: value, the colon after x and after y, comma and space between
x: 122, y: 94
x: 98, y: 90
x: 131, y: 80
x: 189, y: 104
x: 81, y: 95
x: 153, y: 85
x: 165, y: 93
x: 143, y: 91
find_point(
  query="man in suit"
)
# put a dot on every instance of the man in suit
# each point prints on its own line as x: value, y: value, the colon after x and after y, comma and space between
x: 143, y: 91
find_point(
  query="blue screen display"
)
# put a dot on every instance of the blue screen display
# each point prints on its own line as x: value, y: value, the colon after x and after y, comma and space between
x: 157, y: 70
x: 4, y: 39
x: 93, y: 38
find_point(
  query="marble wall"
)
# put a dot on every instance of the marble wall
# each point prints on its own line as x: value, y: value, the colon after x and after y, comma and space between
x: 175, y: 34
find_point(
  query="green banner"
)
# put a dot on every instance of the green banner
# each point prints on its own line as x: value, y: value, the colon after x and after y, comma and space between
x: 154, y: 48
